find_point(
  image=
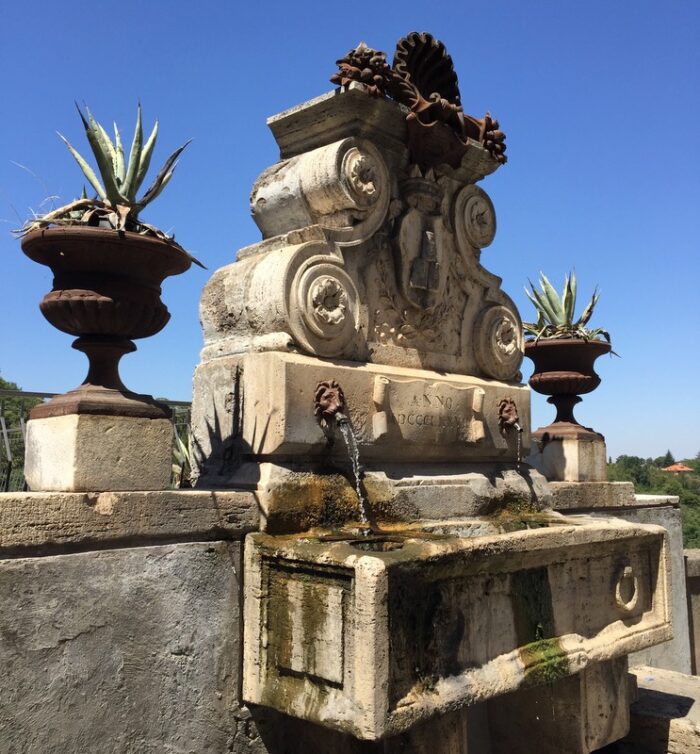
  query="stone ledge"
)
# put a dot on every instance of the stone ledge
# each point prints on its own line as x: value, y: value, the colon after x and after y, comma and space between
x: 651, y: 500
x: 665, y: 719
x: 692, y: 563
x: 586, y: 495
x: 46, y: 521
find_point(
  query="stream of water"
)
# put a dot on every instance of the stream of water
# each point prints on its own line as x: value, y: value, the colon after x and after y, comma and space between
x: 353, y: 449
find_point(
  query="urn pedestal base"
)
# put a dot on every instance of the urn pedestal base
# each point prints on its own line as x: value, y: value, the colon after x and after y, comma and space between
x: 570, y: 459
x: 96, y: 453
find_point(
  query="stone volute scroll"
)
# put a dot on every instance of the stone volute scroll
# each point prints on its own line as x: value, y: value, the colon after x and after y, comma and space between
x: 342, y: 187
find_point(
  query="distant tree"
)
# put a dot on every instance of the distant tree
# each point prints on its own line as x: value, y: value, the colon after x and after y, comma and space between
x: 668, y: 459
x: 632, y: 469
x: 12, y: 408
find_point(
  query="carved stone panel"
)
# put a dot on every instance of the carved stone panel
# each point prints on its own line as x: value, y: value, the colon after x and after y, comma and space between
x: 427, y: 413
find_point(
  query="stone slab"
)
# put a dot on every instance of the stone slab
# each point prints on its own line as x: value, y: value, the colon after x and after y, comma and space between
x: 674, y: 654
x: 665, y: 719
x: 584, y: 496
x: 398, y: 413
x: 570, y: 460
x: 336, y: 115
x: 46, y: 521
x: 299, y: 497
x: 574, y: 715
x: 84, y: 452
x: 692, y: 585
x: 618, y: 499
x: 425, y: 621
x: 131, y: 650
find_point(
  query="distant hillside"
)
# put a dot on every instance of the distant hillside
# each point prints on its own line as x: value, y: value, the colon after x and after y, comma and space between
x: 649, y: 478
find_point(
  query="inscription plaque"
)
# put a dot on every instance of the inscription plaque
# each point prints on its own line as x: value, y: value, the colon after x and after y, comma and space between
x: 428, y: 412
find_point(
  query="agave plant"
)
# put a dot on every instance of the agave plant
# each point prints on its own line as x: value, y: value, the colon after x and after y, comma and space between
x: 115, y: 204
x: 182, y: 459
x: 555, y: 314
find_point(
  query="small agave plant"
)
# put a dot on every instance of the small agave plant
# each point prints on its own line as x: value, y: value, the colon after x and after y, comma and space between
x: 115, y: 204
x: 555, y: 314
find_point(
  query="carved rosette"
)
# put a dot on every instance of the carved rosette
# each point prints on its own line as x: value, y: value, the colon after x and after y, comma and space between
x: 474, y: 218
x: 361, y: 174
x: 498, y: 342
x: 323, y: 306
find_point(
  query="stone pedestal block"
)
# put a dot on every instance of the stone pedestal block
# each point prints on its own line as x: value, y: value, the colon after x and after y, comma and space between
x: 570, y: 460
x: 692, y: 584
x: 82, y: 452
x: 576, y: 715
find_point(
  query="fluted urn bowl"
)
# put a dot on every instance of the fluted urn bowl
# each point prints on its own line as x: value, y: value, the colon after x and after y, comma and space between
x: 564, y: 371
x: 106, y: 291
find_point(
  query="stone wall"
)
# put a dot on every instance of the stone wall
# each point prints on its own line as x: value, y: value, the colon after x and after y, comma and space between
x: 121, y: 626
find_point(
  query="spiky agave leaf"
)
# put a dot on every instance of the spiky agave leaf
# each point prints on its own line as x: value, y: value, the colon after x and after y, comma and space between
x: 553, y: 300
x: 88, y: 172
x: 569, y: 297
x: 588, y: 311
x: 145, y: 160
x: 134, y: 159
x: 119, y: 166
x: 103, y: 156
x: 163, y: 177
x: 540, y: 303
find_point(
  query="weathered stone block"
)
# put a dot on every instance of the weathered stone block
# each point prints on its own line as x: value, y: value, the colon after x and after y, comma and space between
x: 398, y: 414
x: 570, y: 460
x: 618, y: 499
x: 132, y: 650
x: 576, y: 715
x: 33, y: 522
x: 84, y: 452
x: 420, y: 623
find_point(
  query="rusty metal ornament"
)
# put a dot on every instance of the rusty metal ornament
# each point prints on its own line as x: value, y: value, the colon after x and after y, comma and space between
x: 365, y: 66
x: 329, y: 401
x: 423, y: 79
x: 508, y: 417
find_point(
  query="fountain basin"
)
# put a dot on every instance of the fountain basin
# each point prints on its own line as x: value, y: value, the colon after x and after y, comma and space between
x: 371, y: 635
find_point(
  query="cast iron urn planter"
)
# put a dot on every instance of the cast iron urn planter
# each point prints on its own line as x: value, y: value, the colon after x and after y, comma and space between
x: 106, y: 290
x: 564, y: 371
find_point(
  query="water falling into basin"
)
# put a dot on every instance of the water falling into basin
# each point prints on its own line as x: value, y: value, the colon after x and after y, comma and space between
x: 353, y: 449
x: 519, y: 429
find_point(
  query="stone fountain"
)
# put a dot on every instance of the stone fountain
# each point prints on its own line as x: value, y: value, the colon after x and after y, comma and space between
x: 428, y: 587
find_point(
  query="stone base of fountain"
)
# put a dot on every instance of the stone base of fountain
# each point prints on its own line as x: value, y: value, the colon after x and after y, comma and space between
x: 372, y: 635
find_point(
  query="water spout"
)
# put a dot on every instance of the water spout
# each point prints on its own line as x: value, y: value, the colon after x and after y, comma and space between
x: 329, y: 409
x: 508, y: 420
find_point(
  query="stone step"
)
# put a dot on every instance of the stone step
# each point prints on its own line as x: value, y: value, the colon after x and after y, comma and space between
x: 665, y: 719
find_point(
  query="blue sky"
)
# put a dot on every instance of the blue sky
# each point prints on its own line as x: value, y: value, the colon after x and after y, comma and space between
x: 600, y: 102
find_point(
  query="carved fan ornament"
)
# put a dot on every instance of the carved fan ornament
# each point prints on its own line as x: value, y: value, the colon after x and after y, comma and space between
x: 423, y: 79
